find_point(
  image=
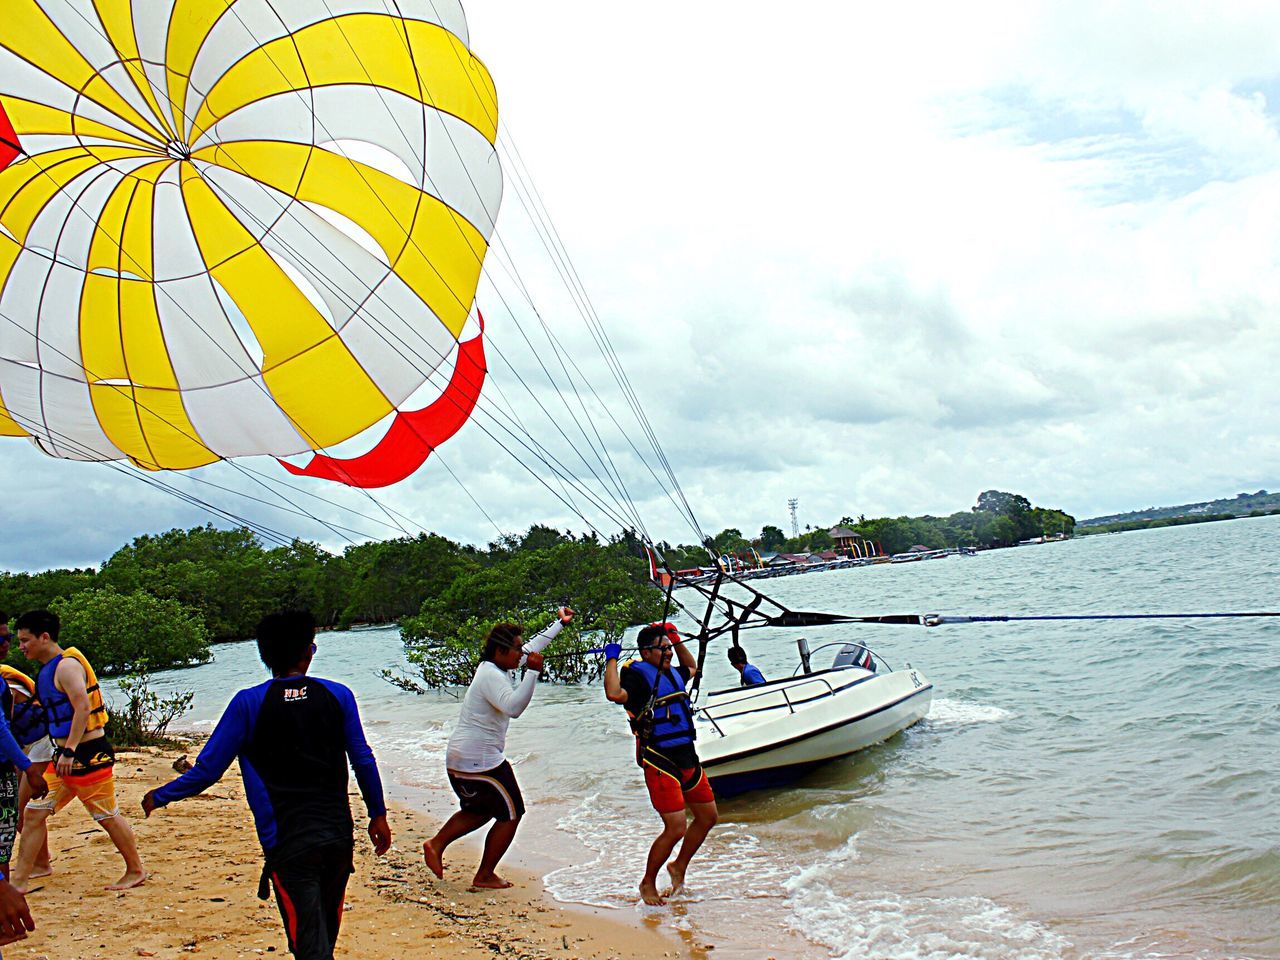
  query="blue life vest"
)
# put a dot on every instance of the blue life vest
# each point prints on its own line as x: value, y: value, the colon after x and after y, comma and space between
x: 28, y: 724
x: 26, y: 719
x: 58, y: 710
x: 672, y: 718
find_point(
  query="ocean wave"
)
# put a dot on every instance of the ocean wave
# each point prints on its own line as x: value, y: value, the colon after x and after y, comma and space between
x: 732, y: 864
x: 418, y: 752
x: 956, y: 713
x: 893, y: 926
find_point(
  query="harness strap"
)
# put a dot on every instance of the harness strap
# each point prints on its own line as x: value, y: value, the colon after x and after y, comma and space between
x: 668, y: 767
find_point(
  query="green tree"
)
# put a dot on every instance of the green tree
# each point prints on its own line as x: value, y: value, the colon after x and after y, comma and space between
x: 607, y: 587
x: 1002, y: 532
x: 120, y: 633
x: 302, y: 576
x: 997, y: 501
x: 771, y: 537
x: 20, y: 592
x: 730, y: 541
x: 144, y: 718
x: 686, y: 556
x: 392, y: 578
x: 223, y: 574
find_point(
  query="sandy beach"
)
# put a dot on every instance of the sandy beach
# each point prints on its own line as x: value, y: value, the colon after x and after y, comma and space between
x: 201, y: 898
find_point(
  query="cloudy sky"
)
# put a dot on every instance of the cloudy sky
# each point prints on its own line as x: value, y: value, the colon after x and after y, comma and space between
x: 877, y: 260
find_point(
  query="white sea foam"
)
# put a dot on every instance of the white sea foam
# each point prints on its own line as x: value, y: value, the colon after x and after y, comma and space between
x: 732, y: 865
x: 958, y: 713
x: 890, y: 925
x: 419, y: 752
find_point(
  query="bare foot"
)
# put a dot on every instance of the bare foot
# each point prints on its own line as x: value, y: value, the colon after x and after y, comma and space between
x: 434, y: 858
x: 677, y: 878
x: 649, y: 894
x: 491, y: 882
x: 131, y: 879
x: 41, y: 871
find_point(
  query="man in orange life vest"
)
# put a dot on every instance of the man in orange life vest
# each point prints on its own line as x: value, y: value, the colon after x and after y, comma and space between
x: 85, y: 761
x: 658, y: 707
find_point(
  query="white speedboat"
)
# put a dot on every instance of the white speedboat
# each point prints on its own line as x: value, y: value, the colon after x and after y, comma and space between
x: 770, y: 734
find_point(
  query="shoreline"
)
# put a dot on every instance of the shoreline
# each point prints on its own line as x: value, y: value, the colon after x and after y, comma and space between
x: 204, y: 859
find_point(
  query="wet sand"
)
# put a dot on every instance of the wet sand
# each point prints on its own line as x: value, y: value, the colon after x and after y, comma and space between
x: 201, y: 899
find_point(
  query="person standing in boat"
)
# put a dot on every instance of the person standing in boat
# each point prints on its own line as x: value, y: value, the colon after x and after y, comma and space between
x: 478, y: 772
x: 657, y: 704
x: 748, y: 673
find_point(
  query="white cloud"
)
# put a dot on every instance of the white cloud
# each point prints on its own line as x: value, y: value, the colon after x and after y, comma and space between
x: 878, y: 259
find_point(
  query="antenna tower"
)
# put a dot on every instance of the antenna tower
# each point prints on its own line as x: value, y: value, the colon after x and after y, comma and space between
x: 795, y: 524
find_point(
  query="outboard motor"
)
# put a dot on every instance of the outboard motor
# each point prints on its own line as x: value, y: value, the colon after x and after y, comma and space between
x: 803, y: 645
x: 854, y: 655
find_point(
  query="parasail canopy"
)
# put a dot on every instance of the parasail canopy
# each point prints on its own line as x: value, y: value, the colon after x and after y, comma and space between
x: 237, y: 228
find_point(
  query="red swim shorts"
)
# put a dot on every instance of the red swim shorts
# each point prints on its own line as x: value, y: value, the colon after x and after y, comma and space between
x: 666, y: 794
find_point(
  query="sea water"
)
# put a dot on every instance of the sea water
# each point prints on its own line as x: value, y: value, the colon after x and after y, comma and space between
x: 1096, y: 789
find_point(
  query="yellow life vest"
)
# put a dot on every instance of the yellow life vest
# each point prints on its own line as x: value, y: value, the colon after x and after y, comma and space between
x: 16, y: 678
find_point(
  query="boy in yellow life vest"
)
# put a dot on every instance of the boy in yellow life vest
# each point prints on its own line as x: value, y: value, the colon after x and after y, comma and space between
x: 85, y: 762
x: 25, y: 716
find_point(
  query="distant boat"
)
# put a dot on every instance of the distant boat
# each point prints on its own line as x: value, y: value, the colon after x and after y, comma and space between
x: 908, y: 557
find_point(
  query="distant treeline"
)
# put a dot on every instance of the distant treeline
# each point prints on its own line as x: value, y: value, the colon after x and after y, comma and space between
x: 1257, y: 504
x: 998, y: 519
x: 1125, y: 525
x: 164, y: 598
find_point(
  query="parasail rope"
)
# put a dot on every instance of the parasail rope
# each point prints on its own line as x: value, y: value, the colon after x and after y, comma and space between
x: 558, y: 469
x: 266, y: 533
x: 936, y: 620
x: 549, y: 236
x: 599, y: 449
x: 96, y: 27
x: 528, y: 441
x: 94, y: 454
x: 592, y: 319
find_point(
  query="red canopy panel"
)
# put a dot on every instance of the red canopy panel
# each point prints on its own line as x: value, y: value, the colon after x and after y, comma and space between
x: 9, y: 148
x: 413, y: 433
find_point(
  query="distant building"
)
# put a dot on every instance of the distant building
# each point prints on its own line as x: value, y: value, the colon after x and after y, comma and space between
x: 844, y: 538
x: 850, y: 544
x: 786, y: 559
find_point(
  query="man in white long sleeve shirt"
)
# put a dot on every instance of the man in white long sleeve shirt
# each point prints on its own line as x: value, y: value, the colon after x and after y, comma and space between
x: 479, y: 773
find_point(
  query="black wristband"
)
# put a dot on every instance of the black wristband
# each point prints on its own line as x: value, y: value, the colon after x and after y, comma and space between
x: 66, y: 752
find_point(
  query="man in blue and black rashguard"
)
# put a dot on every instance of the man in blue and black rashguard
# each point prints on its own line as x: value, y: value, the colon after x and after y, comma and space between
x: 293, y: 736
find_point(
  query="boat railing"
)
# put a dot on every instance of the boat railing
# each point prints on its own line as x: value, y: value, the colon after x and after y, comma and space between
x: 772, y: 693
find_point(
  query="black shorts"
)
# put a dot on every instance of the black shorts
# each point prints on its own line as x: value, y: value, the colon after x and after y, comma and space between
x: 493, y: 793
x: 310, y: 889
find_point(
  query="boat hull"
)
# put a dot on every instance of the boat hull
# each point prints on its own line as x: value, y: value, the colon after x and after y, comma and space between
x: 764, y: 737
